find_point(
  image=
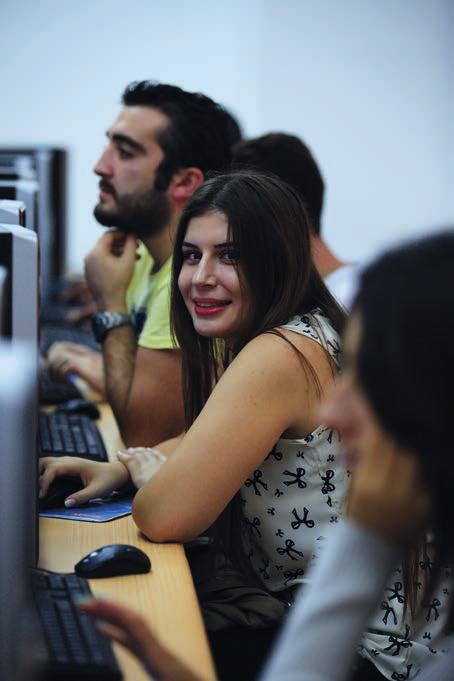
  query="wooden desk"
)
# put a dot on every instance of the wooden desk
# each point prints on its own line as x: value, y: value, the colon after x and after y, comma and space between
x: 165, y: 596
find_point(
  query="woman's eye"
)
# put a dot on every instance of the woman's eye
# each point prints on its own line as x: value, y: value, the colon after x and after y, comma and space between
x: 230, y: 256
x: 191, y: 255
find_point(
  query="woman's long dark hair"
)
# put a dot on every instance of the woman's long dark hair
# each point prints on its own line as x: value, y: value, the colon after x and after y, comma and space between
x: 406, y: 368
x: 269, y: 225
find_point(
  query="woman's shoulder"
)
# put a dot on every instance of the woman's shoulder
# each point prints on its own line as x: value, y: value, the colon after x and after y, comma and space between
x: 316, y: 326
x: 310, y: 323
x: 269, y: 355
x: 280, y: 350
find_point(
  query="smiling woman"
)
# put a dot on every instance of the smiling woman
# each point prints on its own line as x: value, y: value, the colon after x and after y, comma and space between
x: 258, y: 332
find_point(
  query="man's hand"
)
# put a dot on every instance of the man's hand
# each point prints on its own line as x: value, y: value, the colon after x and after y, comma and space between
x: 109, y: 267
x: 71, y: 358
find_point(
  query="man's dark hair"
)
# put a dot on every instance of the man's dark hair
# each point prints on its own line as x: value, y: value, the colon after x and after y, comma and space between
x: 201, y: 133
x: 287, y: 157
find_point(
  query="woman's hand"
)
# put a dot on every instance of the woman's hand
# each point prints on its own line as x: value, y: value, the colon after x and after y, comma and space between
x: 142, y: 463
x: 99, y: 479
x: 131, y: 631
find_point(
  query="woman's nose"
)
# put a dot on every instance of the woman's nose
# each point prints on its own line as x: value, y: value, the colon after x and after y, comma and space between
x: 204, y: 274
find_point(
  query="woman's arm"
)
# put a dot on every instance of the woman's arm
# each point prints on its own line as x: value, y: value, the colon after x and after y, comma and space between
x: 264, y: 393
x: 132, y: 631
x: 99, y: 479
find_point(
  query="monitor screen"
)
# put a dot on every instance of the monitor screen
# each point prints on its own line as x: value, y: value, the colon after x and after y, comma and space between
x: 19, y: 532
x: 19, y: 256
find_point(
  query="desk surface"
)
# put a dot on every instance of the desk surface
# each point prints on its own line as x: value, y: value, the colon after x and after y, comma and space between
x: 165, y: 597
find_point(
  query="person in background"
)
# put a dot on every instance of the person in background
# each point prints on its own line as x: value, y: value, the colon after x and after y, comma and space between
x: 292, y: 161
x: 255, y: 470
x: 159, y: 149
x: 393, y: 409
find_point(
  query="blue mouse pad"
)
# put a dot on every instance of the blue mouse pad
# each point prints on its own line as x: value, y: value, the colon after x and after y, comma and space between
x: 96, y: 511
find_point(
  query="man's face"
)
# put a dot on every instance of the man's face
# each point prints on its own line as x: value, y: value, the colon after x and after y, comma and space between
x: 127, y: 167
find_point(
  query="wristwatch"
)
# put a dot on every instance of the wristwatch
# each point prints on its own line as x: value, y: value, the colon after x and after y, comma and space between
x: 103, y: 322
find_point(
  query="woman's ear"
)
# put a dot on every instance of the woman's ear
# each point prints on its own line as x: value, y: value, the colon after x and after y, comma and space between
x: 183, y: 185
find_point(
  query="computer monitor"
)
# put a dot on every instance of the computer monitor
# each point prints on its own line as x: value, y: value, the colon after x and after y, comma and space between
x: 12, y: 212
x: 4, y: 298
x: 19, y: 255
x: 15, y: 165
x: 19, y: 534
x: 48, y: 166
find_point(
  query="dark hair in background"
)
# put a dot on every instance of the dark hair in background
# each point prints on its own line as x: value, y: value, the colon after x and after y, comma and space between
x: 291, y: 160
x: 201, y: 133
x: 269, y: 226
x: 406, y: 368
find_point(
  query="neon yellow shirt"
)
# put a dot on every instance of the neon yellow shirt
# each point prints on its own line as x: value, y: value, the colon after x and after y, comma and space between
x: 148, y: 301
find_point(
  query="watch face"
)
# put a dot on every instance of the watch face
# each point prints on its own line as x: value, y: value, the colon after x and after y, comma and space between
x: 102, y: 322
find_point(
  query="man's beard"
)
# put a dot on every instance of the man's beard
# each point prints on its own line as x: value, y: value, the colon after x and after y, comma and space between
x: 144, y: 215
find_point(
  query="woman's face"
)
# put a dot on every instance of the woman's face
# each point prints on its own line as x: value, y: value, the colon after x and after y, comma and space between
x: 348, y: 409
x: 209, y: 279
x: 387, y: 494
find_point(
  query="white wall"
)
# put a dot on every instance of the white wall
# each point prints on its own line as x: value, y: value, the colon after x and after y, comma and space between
x: 366, y: 84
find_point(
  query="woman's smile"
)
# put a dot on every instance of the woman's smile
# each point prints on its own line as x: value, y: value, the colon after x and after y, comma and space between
x: 209, y: 306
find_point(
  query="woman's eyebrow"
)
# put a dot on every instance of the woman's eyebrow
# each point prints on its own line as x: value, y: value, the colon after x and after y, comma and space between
x: 224, y: 244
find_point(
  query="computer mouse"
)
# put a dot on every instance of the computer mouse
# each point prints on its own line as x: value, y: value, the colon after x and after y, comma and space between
x: 79, y: 405
x: 113, y: 560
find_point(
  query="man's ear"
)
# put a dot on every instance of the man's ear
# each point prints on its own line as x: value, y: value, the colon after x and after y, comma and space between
x: 183, y: 185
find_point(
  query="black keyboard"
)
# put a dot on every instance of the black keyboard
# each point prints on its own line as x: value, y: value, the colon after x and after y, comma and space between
x: 71, y: 648
x: 55, y: 312
x: 64, y: 434
x: 55, y: 333
x: 55, y: 391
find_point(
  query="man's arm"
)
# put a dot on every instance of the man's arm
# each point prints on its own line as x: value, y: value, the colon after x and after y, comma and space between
x: 143, y: 387
x: 142, y: 384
